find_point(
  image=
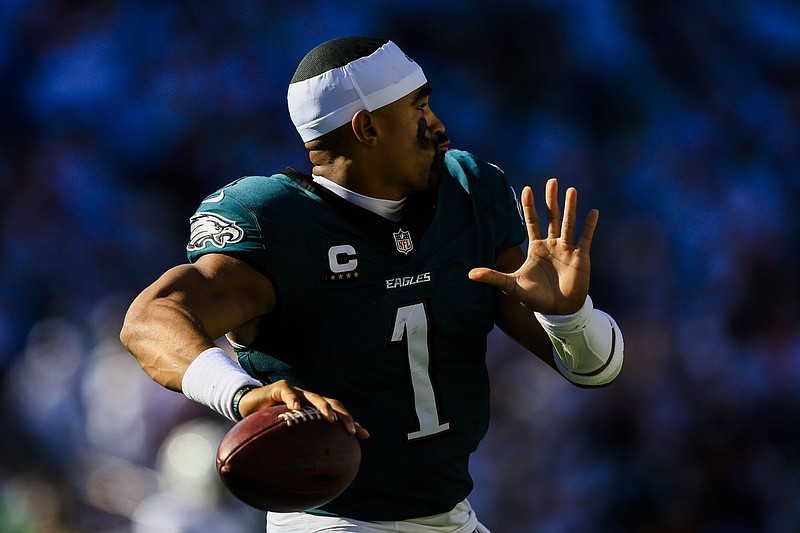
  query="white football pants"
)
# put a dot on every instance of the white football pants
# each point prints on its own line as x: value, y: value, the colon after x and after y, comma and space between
x: 461, y: 519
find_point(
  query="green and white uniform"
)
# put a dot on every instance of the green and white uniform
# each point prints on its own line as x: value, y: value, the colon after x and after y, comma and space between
x: 380, y: 315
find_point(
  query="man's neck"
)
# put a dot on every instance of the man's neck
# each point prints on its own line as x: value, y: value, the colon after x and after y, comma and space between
x: 390, y: 209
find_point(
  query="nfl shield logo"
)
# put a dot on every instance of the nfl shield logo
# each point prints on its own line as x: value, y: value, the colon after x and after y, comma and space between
x: 402, y: 239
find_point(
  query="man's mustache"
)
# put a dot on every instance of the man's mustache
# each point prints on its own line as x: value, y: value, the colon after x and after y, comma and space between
x: 429, y: 140
x: 439, y: 139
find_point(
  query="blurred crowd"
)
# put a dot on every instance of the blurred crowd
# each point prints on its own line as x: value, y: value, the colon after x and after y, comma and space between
x: 680, y: 121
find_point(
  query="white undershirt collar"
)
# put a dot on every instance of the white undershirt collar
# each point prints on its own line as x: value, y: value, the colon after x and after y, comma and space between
x: 391, y: 209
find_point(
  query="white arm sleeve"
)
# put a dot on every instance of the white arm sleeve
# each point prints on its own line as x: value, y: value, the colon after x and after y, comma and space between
x: 587, y: 345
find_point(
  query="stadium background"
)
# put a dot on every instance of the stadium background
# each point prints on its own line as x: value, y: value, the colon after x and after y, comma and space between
x: 680, y: 121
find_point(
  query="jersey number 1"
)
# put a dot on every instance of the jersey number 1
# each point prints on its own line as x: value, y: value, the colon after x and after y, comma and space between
x: 411, y: 327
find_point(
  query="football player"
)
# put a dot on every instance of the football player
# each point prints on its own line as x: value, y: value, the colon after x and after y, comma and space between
x: 367, y: 287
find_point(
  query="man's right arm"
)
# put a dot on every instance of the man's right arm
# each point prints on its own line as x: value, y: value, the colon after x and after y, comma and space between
x: 178, y: 317
x: 180, y: 314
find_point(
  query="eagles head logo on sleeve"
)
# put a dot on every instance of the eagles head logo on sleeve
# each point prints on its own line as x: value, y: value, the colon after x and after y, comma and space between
x: 212, y: 229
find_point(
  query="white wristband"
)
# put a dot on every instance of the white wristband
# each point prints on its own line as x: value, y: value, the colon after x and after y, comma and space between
x: 587, y: 346
x: 213, y: 378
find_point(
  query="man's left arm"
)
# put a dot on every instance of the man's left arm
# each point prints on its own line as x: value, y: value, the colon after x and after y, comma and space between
x: 541, y: 299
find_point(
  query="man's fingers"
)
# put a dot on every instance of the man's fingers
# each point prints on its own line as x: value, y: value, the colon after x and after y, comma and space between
x: 568, y: 223
x: 489, y: 276
x: 325, y: 407
x: 294, y: 398
x: 588, y: 230
x: 340, y: 413
x: 529, y: 213
x: 333, y: 410
x: 361, y: 432
x: 553, y: 212
x: 282, y: 392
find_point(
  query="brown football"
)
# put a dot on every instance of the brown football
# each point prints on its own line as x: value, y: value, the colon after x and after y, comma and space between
x: 281, y: 460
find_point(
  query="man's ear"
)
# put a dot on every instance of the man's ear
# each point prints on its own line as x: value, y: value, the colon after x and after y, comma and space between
x: 365, y: 127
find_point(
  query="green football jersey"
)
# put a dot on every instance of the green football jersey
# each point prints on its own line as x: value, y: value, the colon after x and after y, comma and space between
x: 380, y: 315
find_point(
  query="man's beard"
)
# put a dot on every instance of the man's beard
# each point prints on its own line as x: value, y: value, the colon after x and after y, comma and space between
x: 436, y: 172
x: 427, y: 141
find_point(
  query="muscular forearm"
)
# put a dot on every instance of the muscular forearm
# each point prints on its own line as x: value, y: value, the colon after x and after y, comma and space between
x: 521, y: 325
x: 187, y: 308
x: 164, y: 337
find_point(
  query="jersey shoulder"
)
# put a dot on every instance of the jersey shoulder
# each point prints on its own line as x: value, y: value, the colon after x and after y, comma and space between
x: 489, y: 190
x: 232, y: 219
x: 485, y: 181
x: 254, y: 192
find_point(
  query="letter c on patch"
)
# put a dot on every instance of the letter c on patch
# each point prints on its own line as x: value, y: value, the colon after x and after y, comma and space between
x: 342, y: 258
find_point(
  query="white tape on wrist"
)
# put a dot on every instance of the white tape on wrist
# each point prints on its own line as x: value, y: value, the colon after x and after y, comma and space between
x: 587, y: 345
x: 213, y: 378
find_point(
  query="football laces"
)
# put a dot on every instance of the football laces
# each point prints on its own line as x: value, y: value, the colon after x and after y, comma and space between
x: 296, y: 416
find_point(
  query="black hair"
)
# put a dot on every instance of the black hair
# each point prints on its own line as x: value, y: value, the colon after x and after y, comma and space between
x: 335, y: 53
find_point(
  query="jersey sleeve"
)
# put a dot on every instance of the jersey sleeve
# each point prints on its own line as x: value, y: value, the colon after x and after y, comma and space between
x: 224, y: 223
x: 494, y: 198
x: 511, y: 226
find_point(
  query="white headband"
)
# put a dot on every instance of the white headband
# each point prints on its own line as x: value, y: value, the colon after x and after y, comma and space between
x: 325, y: 102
